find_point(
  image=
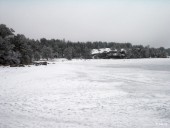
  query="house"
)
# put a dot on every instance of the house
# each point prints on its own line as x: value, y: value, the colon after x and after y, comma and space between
x: 107, y: 53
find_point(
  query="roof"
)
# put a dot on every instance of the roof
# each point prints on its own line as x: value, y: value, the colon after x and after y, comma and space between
x: 101, y: 50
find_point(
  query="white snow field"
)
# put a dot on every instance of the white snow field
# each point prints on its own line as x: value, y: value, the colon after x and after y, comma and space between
x: 132, y: 93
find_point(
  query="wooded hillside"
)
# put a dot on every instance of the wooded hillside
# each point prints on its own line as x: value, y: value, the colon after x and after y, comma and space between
x: 18, y: 49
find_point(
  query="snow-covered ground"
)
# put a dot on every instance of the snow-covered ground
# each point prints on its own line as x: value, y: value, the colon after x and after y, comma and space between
x: 87, y: 94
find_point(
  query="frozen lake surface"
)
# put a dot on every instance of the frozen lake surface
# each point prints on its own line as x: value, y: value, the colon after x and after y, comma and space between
x: 87, y: 94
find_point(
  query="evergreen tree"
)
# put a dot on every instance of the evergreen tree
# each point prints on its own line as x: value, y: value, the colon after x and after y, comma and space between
x: 5, y: 31
x: 68, y: 53
x: 47, y: 53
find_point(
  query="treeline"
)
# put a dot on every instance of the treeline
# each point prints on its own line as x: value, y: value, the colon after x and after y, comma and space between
x: 17, y: 49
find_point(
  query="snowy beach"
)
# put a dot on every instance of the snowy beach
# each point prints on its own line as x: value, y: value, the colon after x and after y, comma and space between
x: 122, y: 93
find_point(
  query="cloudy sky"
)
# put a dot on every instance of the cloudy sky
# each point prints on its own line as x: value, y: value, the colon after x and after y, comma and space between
x: 144, y: 22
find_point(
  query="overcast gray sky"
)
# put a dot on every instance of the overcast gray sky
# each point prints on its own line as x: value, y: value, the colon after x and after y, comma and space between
x: 144, y: 22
